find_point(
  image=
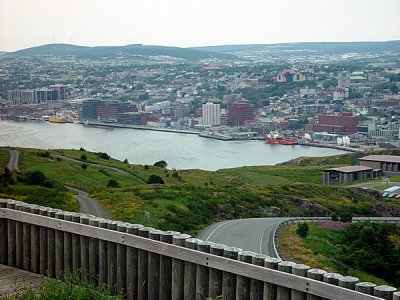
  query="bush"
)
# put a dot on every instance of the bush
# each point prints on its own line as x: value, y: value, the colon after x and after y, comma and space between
x: 44, y: 154
x: 81, y: 149
x: 35, y: 178
x: 112, y: 183
x: 154, y: 179
x: 6, y: 178
x: 84, y: 166
x: 346, y: 217
x: 126, y: 161
x: 146, y: 167
x: 302, y: 230
x: 83, y: 157
x: 103, y: 155
x: 335, y: 217
x: 161, y: 164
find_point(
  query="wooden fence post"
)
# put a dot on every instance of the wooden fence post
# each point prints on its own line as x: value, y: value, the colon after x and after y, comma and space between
x: 316, y: 274
x: 384, y: 291
x: 190, y: 272
x: 178, y: 269
x: 3, y: 235
x: 154, y: 269
x: 269, y: 288
x: 143, y: 261
x: 121, y: 260
x: 166, y: 267
x: 215, y: 284
x: 19, y: 243
x: 93, y: 253
x: 84, y: 242
x: 112, y: 259
x: 43, y: 244
x: 67, y: 246
x: 396, y: 296
x: 202, y: 272
x: 348, y: 282
x: 11, y: 237
x: 229, y: 279
x: 59, y: 248
x: 284, y: 293
x: 365, y: 287
x: 35, y: 243
x: 51, y: 247
x: 242, y: 282
x: 26, y: 241
x: 103, y: 271
x: 299, y: 270
x: 132, y: 265
x: 76, y: 246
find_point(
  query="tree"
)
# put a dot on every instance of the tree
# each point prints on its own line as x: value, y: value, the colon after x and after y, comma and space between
x: 112, y: 183
x: 302, y: 229
x: 161, y: 164
x: 126, y: 161
x: 35, y: 178
x: 155, y: 179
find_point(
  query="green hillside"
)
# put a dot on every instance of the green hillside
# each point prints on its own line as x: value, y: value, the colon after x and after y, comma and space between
x: 189, y: 200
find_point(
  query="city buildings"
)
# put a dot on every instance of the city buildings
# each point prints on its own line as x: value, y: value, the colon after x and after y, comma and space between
x: 344, y: 123
x: 240, y: 113
x: 211, y: 114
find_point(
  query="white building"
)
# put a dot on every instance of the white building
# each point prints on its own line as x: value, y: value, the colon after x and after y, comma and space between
x: 211, y: 114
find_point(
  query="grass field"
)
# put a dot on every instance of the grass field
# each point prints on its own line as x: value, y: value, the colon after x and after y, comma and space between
x: 318, y: 250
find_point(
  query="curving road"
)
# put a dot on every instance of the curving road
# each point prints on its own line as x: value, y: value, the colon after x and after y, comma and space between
x: 14, y: 157
x: 249, y: 234
x: 89, y: 205
x: 257, y: 234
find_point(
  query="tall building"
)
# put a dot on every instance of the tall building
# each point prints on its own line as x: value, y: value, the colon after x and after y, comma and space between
x: 18, y: 97
x: 60, y: 91
x: 89, y: 109
x: 240, y: 113
x: 211, y: 114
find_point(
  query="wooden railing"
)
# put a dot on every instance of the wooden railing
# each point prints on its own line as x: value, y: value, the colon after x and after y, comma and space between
x: 152, y: 264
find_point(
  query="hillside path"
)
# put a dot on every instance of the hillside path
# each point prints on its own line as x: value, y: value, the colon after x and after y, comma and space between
x: 14, y: 157
x: 89, y: 205
x: 102, y: 166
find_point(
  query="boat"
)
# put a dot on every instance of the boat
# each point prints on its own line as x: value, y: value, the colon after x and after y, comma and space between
x: 56, y: 120
x: 276, y: 139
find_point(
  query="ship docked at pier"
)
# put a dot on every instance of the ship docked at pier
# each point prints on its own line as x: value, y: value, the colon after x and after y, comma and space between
x: 276, y: 139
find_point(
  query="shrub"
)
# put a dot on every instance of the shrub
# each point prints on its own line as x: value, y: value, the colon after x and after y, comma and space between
x: 35, y: 178
x: 154, y: 179
x: 161, y: 164
x: 302, y: 230
x: 81, y: 149
x: 126, y: 161
x: 346, y: 217
x: 84, y: 166
x: 146, y: 167
x: 112, y: 183
x: 103, y: 155
x: 335, y: 217
x: 83, y: 157
x: 44, y: 154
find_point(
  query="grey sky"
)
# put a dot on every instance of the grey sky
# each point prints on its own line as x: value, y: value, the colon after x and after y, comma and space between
x: 27, y: 23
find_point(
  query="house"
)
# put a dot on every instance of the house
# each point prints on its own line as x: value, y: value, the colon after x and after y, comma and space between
x: 342, y: 175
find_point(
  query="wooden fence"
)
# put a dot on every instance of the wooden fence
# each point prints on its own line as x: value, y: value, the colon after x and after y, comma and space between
x: 152, y: 264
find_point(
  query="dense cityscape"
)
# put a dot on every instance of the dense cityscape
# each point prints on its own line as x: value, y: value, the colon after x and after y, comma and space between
x: 348, y: 99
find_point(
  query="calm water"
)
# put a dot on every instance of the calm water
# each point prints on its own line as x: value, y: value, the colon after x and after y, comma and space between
x: 180, y: 151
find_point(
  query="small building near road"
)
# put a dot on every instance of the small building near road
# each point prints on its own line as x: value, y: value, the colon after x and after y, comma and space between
x: 342, y: 175
x: 388, y: 163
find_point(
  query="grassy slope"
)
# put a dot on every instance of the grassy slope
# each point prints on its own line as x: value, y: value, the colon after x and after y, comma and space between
x: 196, y: 198
x: 317, y: 251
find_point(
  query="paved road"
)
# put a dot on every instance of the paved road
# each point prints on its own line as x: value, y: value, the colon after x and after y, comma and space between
x: 249, y: 234
x: 254, y: 234
x: 89, y: 205
x: 14, y: 157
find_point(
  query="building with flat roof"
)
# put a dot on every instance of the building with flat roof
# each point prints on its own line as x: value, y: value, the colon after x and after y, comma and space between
x: 211, y: 114
x: 240, y: 113
x: 388, y: 163
x: 342, y: 175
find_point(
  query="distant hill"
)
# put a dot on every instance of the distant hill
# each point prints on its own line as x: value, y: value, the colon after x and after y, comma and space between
x: 111, y: 51
x: 319, y: 48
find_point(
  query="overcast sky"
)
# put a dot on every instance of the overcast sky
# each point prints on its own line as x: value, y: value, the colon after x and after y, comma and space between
x: 27, y: 23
